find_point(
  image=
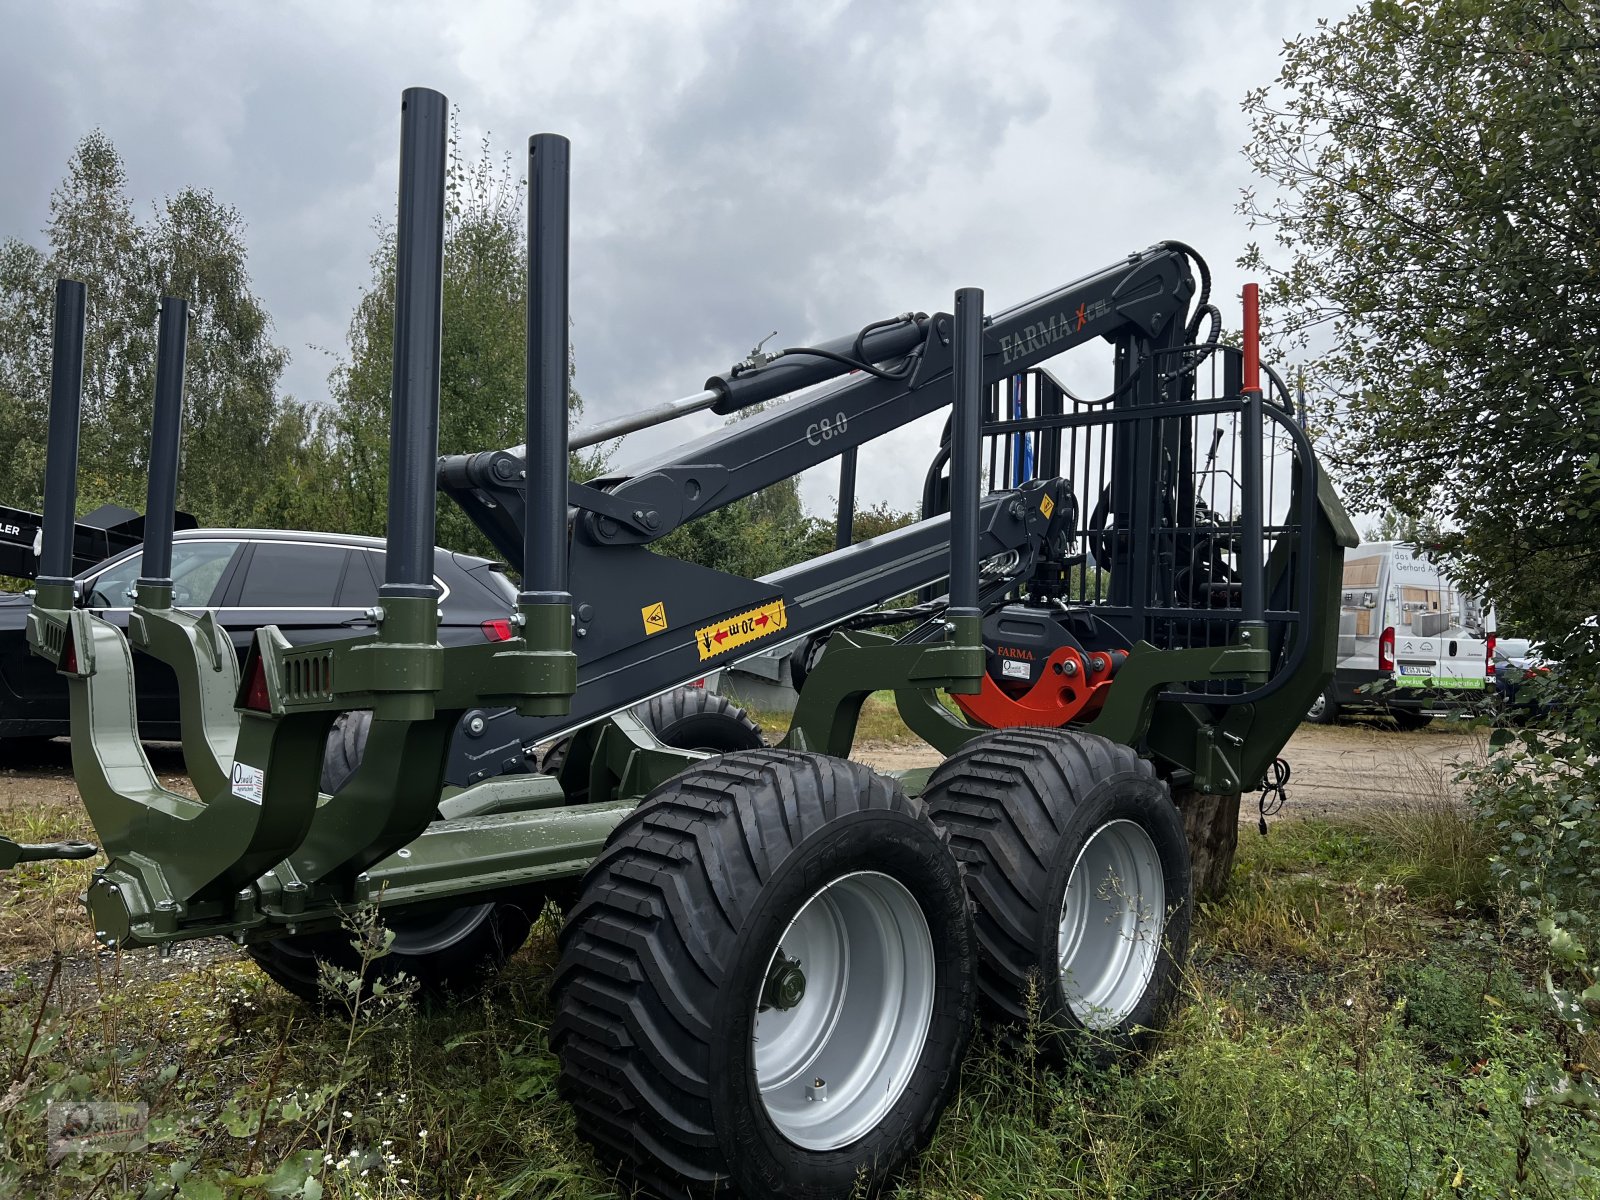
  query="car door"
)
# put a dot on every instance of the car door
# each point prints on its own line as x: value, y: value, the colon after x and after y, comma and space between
x: 200, y: 572
x: 293, y: 585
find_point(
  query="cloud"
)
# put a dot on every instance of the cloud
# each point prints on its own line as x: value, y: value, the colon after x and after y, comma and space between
x: 736, y: 169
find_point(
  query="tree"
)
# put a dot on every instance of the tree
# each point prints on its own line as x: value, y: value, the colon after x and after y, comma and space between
x: 1435, y: 168
x: 482, y: 368
x: 193, y: 248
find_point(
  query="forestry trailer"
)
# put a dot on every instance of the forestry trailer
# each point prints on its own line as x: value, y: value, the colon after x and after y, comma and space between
x: 772, y: 958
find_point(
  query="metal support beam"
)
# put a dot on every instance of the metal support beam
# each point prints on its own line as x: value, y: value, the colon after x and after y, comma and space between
x: 161, y: 495
x: 418, y: 304
x: 61, y: 456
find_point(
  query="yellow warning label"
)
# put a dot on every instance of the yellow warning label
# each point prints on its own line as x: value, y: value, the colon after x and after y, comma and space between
x: 733, y: 632
x: 655, y: 618
x: 1047, y: 506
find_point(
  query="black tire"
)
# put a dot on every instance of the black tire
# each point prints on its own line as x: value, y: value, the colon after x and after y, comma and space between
x: 450, y: 952
x: 686, y: 718
x: 1020, y: 806
x: 1325, y: 709
x: 347, y: 742
x: 1409, y: 721
x: 667, y: 953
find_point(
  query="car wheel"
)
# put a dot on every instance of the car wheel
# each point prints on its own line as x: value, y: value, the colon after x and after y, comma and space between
x: 686, y: 718
x: 447, y: 951
x: 1325, y: 709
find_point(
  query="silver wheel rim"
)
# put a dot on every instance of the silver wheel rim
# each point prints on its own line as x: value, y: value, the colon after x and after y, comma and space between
x: 829, y: 1068
x: 1113, y: 916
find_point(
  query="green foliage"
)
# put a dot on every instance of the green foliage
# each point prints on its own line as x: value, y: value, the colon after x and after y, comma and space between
x: 192, y: 247
x: 1434, y: 167
x: 766, y: 532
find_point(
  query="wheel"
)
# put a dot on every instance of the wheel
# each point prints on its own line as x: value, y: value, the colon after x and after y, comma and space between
x: 766, y: 984
x: 1076, y: 861
x: 1325, y: 709
x: 347, y: 742
x: 1408, y: 720
x: 686, y: 718
x: 448, y: 951
x: 691, y: 718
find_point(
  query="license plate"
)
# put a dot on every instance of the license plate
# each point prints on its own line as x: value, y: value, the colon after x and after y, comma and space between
x: 1405, y: 670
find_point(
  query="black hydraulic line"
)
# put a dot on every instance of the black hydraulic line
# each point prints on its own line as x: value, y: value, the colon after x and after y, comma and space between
x: 844, y: 527
x: 418, y: 301
x: 161, y: 495
x: 61, y: 456
x: 966, y: 447
x: 544, y: 551
x: 802, y: 366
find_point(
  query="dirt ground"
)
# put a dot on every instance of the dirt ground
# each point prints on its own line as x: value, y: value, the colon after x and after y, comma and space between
x: 1335, y: 767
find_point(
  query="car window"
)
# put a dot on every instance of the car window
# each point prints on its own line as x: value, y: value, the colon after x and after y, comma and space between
x: 197, y: 568
x: 292, y: 575
x: 361, y: 581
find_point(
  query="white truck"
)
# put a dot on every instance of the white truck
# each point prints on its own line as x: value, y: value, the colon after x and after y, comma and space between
x: 1412, y: 643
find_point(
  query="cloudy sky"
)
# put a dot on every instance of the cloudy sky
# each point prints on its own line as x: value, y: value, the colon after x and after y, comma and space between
x: 737, y: 168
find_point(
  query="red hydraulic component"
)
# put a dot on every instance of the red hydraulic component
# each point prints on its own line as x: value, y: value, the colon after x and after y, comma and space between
x: 1252, y: 338
x: 1071, y: 684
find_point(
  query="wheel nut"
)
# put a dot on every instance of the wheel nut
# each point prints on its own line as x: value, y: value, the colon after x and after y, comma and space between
x: 786, y: 984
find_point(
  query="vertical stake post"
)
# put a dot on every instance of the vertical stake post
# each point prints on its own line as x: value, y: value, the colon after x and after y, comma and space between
x: 1252, y: 551
x: 544, y: 565
x: 414, y: 416
x: 61, y: 457
x: 544, y: 604
x: 161, y: 495
x: 965, y: 439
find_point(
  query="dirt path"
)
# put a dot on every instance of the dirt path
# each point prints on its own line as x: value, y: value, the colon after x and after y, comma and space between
x: 1336, y: 768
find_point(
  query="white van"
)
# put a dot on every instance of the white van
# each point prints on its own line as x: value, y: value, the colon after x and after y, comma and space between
x: 1411, y: 642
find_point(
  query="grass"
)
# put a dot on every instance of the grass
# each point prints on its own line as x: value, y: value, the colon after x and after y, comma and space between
x: 1346, y: 1030
x: 880, y: 721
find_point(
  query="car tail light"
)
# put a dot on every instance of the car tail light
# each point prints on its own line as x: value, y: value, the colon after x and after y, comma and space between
x: 254, y: 693
x: 498, y: 630
x: 1386, y: 650
x: 1488, y: 658
x: 69, y: 654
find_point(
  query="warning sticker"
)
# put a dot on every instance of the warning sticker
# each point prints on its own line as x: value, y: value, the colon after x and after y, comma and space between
x: 655, y: 618
x: 1047, y: 505
x: 248, y: 782
x: 741, y: 630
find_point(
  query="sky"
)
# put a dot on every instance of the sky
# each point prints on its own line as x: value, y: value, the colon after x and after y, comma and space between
x: 736, y: 169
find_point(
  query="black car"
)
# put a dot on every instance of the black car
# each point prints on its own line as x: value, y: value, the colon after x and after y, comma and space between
x: 313, y: 586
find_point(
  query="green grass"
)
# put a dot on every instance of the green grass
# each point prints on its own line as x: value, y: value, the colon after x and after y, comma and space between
x: 880, y: 720
x: 1344, y: 1031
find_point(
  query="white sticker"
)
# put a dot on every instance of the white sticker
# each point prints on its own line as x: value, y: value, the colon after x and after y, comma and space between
x: 248, y: 782
x: 1012, y: 669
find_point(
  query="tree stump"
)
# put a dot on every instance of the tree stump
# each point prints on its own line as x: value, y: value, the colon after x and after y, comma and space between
x: 1211, y: 823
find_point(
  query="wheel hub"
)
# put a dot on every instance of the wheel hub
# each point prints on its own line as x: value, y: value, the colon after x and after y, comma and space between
x: 786, y: 984
x: 835, y: 1045
x: 1113, y: 916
